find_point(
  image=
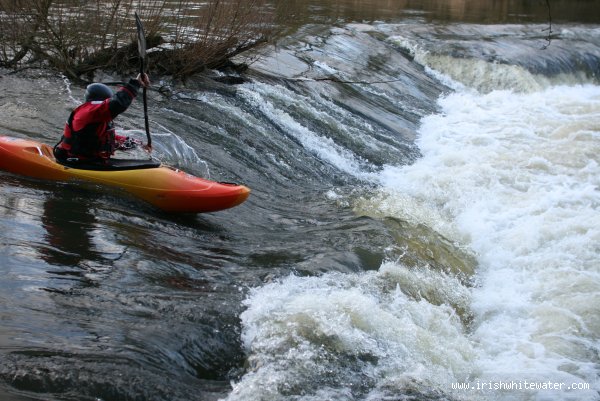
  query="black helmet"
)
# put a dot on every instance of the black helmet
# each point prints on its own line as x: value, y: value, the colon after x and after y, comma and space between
x: 97, y: 92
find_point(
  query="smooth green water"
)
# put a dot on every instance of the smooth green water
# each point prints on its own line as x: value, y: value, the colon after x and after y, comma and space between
x: 472, y: 11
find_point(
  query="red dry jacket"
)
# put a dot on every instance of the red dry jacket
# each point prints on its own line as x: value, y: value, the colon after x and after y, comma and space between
x: 89, y: 133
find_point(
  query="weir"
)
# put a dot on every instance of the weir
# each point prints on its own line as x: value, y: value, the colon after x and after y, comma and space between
x: 425, y: 215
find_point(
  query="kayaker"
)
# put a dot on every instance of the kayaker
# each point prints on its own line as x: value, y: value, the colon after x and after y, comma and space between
x: 89, y: 135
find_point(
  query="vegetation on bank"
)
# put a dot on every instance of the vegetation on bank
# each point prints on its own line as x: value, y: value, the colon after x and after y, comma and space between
x: 78, y: 38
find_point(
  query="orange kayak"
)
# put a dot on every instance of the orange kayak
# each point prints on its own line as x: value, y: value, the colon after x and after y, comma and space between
x: 167, y: 188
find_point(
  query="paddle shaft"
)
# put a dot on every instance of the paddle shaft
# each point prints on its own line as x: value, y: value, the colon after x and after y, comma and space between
x: 142, y: 52
x: 145, y: 98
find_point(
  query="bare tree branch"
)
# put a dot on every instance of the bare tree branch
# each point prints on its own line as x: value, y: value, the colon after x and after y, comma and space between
x: 79, y: 37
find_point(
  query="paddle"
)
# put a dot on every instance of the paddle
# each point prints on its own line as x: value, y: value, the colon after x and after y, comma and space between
x: 141, y: 36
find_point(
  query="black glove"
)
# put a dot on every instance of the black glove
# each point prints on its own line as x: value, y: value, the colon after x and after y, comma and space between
x: 128, y: 144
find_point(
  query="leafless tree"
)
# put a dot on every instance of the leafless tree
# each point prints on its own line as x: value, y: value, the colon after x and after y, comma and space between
x: 78, y: 37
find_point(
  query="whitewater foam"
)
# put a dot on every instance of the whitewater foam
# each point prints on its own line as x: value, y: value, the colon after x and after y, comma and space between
x: 510, y: 170
x: 515, y: 177
x: 274, y: 103
x: 517, y: 174
x: 340, y: 336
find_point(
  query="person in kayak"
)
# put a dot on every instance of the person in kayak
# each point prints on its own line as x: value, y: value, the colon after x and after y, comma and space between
x: 89, y: 135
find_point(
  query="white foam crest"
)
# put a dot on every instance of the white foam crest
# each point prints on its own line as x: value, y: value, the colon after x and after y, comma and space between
x: 272, y: 101
x: 481, y: 75
x: 69, y: 91
x: 325, y: 67
x: 233, y: 111
x: 518, y: 176
x: 345, y: 330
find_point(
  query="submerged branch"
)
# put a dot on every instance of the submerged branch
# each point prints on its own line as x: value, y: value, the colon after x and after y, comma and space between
x: 549, y: 29
x: 341, y: 81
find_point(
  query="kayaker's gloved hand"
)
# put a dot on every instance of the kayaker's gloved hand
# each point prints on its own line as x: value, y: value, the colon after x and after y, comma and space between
x: 143, y: 80
x: 129, y: 143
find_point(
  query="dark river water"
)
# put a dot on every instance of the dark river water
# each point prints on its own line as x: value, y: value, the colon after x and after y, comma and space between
x: 425, y: 213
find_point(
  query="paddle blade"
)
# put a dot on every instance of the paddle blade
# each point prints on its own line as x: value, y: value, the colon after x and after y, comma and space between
x: 141, y: 36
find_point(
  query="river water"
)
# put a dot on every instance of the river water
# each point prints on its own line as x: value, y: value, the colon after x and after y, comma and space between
x: 425, y: 212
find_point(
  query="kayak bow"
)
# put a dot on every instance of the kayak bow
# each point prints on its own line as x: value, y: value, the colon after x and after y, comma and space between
x: 167, y: 188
